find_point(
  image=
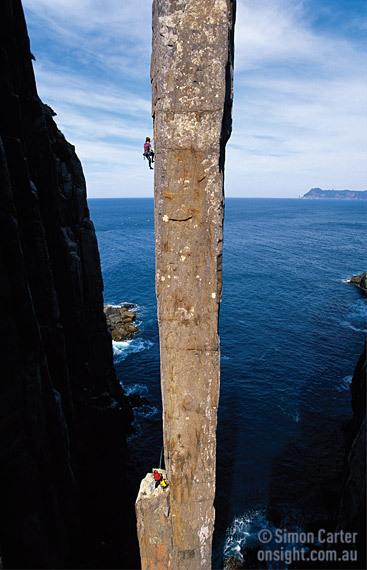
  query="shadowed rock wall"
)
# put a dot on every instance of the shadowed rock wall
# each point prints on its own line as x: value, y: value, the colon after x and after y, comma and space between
x: 352, y: 507
x: 63, y: 416
x: 192, y: 97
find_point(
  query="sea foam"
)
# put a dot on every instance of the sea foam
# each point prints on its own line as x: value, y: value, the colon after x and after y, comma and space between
x: 357, y: 317
x: 344, y: 384
x: 242, y: 533
x: 122, y: 349
x: 135, y: 389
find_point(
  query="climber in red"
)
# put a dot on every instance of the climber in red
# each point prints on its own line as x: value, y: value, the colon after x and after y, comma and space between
x: 157, y: 477
x: 148, y: 152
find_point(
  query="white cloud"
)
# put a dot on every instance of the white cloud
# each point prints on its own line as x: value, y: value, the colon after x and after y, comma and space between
x: 100, y: 86
x: 110, y: 34
x: 300, y: 95
x: 300, y: 100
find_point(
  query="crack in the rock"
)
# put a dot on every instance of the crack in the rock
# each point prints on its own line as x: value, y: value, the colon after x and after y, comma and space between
x: 180, y: 220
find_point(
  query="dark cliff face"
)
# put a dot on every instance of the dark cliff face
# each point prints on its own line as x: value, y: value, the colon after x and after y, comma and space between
x: 352, y: 506
x: 319, y: 481
x: 63, y: 415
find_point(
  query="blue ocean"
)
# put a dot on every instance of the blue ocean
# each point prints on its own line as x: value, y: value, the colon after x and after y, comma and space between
x: 291, y: 328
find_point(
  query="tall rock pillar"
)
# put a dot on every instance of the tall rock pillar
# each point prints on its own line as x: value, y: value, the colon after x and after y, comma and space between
x: 192, y: 65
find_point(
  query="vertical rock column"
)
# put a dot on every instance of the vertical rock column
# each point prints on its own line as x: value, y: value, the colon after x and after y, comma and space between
x: 192, y: 96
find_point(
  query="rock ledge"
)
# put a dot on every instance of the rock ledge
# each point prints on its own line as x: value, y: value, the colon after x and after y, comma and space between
x: 152, y: 512
x: 121, y: 321
x: 360, y: 281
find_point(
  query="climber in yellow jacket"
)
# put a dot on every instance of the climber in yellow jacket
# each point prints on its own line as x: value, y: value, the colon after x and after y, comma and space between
x: 159, y: 480
x: 163, y: 483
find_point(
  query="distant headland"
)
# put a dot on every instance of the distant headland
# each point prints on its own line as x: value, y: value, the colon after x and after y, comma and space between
x: 318, y: 193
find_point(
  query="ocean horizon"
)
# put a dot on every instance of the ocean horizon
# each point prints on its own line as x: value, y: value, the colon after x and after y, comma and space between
x: 227, y: 197
x: 291, y: 331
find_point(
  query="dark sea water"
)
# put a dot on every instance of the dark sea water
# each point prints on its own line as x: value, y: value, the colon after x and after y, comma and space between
x: 291, y: 332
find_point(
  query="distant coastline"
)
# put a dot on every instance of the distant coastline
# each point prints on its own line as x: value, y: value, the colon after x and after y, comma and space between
x: 358, y: 197
x: 319, y: 194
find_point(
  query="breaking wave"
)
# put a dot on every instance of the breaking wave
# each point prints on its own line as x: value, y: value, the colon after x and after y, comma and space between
x: 344, y: 384
x: 136, y: 389
x: 243, y: 534
x: 359, y: 310
x: 122, y: 349
x: 357, y: 317
x: 146, y: 411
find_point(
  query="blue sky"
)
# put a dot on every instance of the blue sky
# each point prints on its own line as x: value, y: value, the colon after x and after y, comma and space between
x: 300, y: 110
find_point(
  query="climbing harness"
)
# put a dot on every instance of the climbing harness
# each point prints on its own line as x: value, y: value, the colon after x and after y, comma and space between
x: 149, y: 155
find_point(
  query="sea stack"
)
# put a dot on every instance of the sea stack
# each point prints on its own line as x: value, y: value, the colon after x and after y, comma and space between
x: 192, y: 66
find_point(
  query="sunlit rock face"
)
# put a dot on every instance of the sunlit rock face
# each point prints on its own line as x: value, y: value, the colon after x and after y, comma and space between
x: 154, y: 531
x: 192, y: 66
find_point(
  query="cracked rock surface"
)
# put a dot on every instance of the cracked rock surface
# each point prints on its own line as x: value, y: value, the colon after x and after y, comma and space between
x: 192, y: 96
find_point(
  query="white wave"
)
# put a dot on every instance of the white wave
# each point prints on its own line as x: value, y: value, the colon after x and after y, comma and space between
x: 344, y: 384
x: 146, y: 411
x: 353, y: 328
x: 139, y: 428
x: 135, y: 389
x: 243, y: 531
x: 245, y: 534
x: 122, y: 349
x: 236, y: 539
x: 133, y: 306
x: 359, y: 310
x: 356, y: 319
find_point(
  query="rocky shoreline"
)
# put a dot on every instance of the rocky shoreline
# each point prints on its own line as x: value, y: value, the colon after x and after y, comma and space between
x: 360, y: 280
x: 121, y: 321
